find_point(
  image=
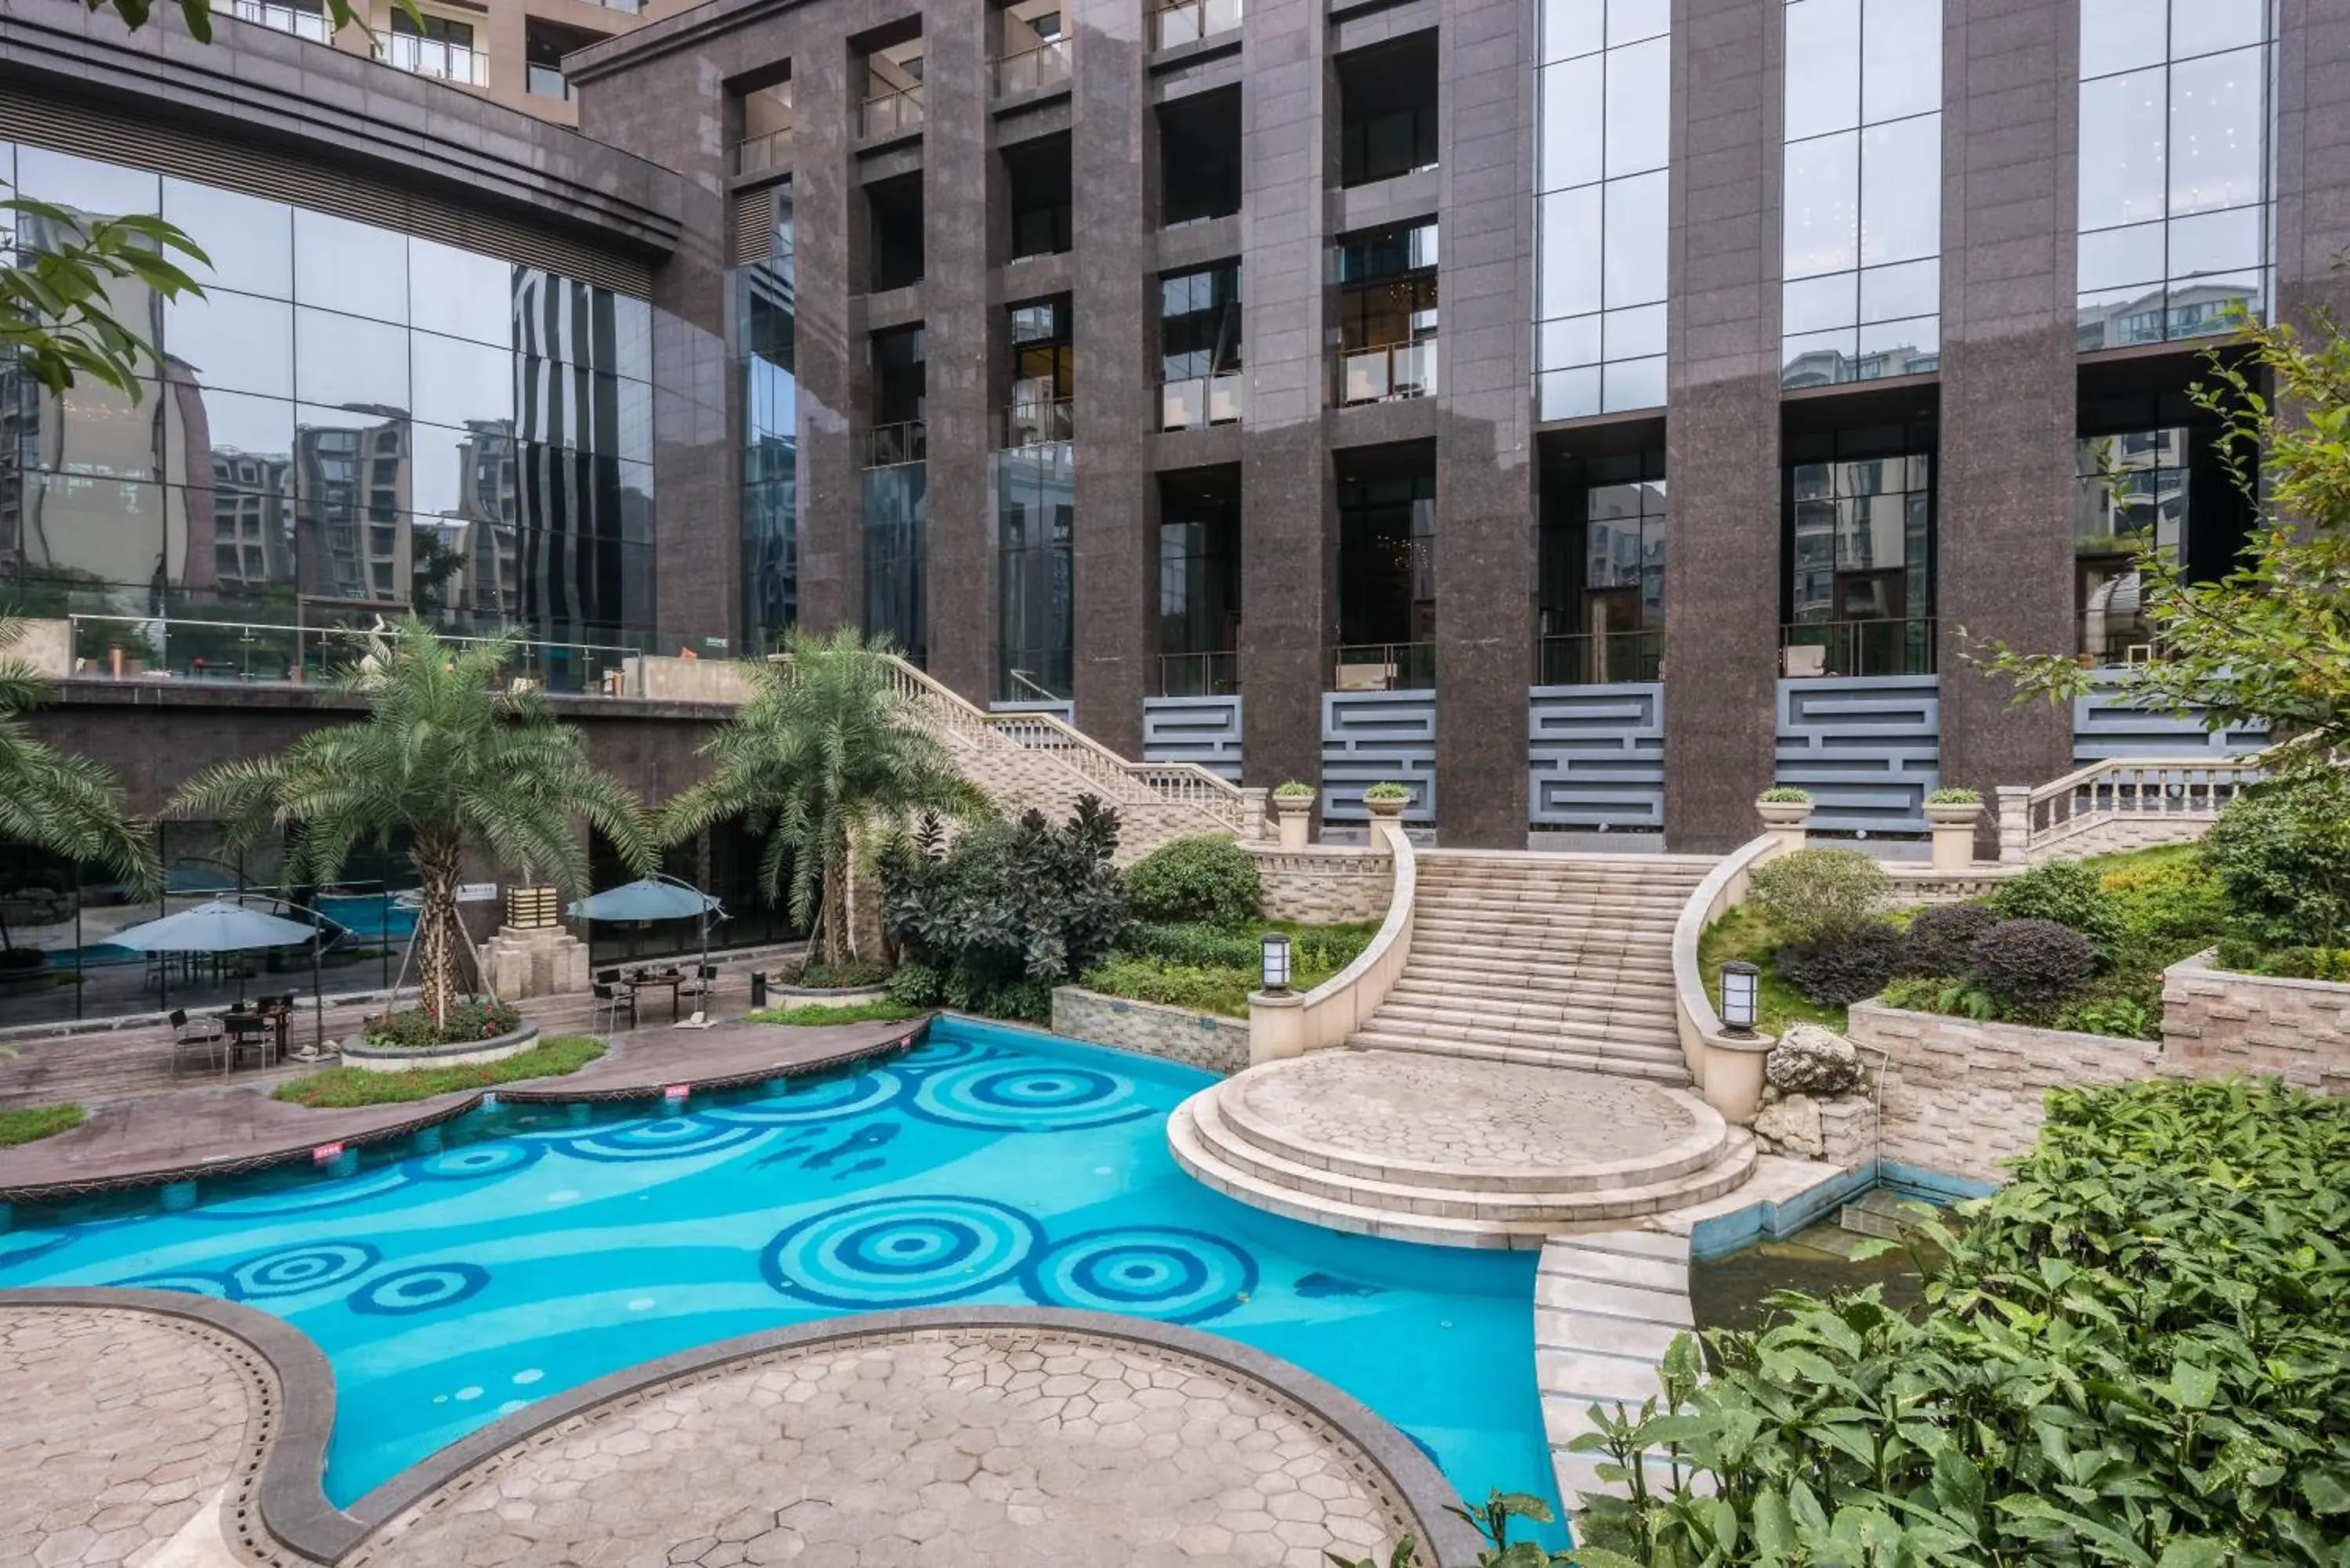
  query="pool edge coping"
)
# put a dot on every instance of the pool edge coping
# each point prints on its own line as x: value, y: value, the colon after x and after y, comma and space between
x: 295, y: 1513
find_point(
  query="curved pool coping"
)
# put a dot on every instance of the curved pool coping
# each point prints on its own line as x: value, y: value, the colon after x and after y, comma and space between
x: 285, y: 1466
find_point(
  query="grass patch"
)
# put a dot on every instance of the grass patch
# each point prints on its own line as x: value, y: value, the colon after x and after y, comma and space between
x: 882, y: 1011
x: 1746, y: 932
x: 348, y: 1088
x: 26, y: 1123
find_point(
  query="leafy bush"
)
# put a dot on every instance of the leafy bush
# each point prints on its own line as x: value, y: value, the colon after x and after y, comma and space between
x: 23, y: 1124
x: 2069, y: 893
x: 2136, y: 1353
x: 1388, y: 790
x: 1955, y: 795
x: 2306, y: 963
x: 2168, y: 909
x: 2281, y: 854
x: 817, y: 1015
x: 1008, y: 912
x: 1291, y: 789
x: 1940, y: 937
x: 414, y: 1029
x: 1311, y: 948
x: 2122, y: 1016
x: 1785, y: 794
x: 917, y: 985
x: 1845, y: 966
x: 1223, y: 991
x: 1938, y: 993
x: 1815, y: 894
x: 856, y: 975
x: 1206, y: 878
x: 2031, y: 962
x: 344, y: 1088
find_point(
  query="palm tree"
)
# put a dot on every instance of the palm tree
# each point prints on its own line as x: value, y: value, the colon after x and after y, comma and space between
x: 57, y: 801
x: 448, y: 757
x: 829, y: 747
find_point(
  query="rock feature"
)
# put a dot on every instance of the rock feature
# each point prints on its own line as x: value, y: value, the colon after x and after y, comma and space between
x: 1791, y: 1125
x: 1813, y: 1059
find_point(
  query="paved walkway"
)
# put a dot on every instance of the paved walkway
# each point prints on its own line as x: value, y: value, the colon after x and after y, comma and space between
x: 205, y: 1129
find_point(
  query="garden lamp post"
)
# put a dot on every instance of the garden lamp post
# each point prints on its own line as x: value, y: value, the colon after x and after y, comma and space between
x: 1741, y: 996
x: 1275, y: 966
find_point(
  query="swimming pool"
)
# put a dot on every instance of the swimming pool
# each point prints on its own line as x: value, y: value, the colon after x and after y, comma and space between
x: 454, y: 1277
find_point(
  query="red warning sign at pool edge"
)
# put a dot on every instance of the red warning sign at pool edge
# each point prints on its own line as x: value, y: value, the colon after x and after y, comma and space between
x: 324, y: 1152
x: 677, y: 1091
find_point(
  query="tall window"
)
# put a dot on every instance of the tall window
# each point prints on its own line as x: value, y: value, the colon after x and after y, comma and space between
x: 1199, y: 582
x: 1035, y: 514
x: 1600, y: 206
x: 897, y: 495
x: 1386, y: 314
x: 767, y: 323
x: 1044, y: 373
x: 1602, y: 571
x: 1862, y: 224
x: 1386, y: 578
x: 1858, y: 594
x: 2129, y: 491
x: 2175, y: 213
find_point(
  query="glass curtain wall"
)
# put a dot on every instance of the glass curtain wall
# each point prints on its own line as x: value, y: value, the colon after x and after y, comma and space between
x: 1035, y: 511
x: 765, y: 324
x: 1862, y: 230
x: 1199, y: 346
x: 897, y: 501
x: 1602, y: 569
x: 1386, y: 314
x: 1199, y: 583
x: 1858, y: 593
x: 2175, y: 215
x: 1387, y: 581
x: 350, y: 421
x: 1600, y: 206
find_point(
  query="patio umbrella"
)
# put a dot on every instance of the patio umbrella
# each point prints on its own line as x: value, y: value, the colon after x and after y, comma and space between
x: 220, y: 926
x: 655, y: 897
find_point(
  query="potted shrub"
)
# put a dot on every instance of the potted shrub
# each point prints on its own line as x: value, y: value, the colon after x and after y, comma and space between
x: 1953, y: 812
x: 1785, y: 810
x: 1293, y: 814
x: 1387, y: 799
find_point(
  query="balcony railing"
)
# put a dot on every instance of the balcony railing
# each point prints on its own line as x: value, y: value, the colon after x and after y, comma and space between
x: 1032, y: 70
x: 1199, y: 674
x: 1197, y: 401
x: 2112, y: 638
x: 1599, y: 658
x: 892, y: 114
x: 758, y: 154
x: 1385, y: 374
x: 1385, y: 667
x: 1852, y: 647
x: 1040, y: 424
x: 1191, y: 21
x: 310, y: 24
x: 547, y: 81
x: 431, y: 57
x: 149, y: 650
x: 889, y: 445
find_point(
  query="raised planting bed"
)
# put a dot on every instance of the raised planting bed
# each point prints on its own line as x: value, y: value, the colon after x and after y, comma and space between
x: 358, y: 1052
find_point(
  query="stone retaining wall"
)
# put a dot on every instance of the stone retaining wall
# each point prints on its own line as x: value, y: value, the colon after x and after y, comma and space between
x: 1326, y: 885
x: 1197, y: 1039
x: 2220, y: 1022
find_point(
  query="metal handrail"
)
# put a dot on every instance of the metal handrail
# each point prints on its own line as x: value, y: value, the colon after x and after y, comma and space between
x: 118, y: 648
x: 1387, y: 372
x: 1040, y: 423
x: 1211, y: 674
x: 1189, y: 403
x: 1399, y: 666
x: 1599, y: 657
x: 886, y: 446
x: 1896, y: 645
x: 892, y: 113
x: 311, y: 25
x: 757, y: 154
x: 1033, y: 70
x: 433, y: 57
x: 1189, y: 21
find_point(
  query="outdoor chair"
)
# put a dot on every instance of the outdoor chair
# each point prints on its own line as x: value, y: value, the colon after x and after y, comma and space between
x: 203, y: 1037
x: 701, y: 985
x: 611, y: 1000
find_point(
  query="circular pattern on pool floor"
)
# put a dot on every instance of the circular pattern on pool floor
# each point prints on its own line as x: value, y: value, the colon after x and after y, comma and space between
x: 668, y: 1137
x: 295, y: 1271
x: 1163, y: 1272
x: 824, y: 1100
x: 936, y: 1055
x: 474, y: 1161
x: 187, y: 1282
x: 900, y: 1251
x: 421, y: 1289
x: 1028, y: 1098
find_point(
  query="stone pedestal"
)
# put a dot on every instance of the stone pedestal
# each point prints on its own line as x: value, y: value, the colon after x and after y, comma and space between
x: 1293, y: 821
x: 1786, y: 821
x: 1954, y: 834
x: 534, y: 961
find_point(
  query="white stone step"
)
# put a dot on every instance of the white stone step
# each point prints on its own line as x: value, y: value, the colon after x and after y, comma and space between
x: 1607, y: 1041
x: 1655, y: 1065
x: 1546, y: 986
x: 1609, y: 1026
x: 1447, y: 933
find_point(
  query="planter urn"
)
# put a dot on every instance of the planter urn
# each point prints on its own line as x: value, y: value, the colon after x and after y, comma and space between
x: 1786, y: 821
x: 1389, y: 809
x: 1954, y: 834
x: 1293, y: 820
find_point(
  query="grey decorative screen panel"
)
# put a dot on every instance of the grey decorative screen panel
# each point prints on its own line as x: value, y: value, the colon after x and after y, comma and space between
x: 1867, y: 748
x: 1375, y: 737
x: 1595, y: 756
x: 2103, y: 727
x: 1061, y: 708
x: 1202, y: 730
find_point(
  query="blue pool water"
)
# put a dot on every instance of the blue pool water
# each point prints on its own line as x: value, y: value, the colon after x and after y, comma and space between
x: 536, y: 1248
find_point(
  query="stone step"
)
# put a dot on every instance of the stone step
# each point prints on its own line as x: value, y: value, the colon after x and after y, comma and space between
x: 1533, y: 862
x: 1600, y: 1037
x: 1205, y: 1148
x: 1645, y: 1022
x: 1439, y: 926
x: 1655, y: 1065
x: 1546, y: 988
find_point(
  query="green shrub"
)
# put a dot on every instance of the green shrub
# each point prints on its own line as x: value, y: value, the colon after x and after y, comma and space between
x: 2281, y: 854
x: 2123, y: 1016
x: 2169, y: 909
x: 817, y: 1015
x: 2306, y: 963
x: 346, y: 1088
x: 1940, y: 937
x: 1814, y: 893
x: 1845, y: 966
x: 2069, y: 893
x: 1785, y: 794
x: 917, y: 985
x: 2031, y: 962
x: 1954, y: 795
x: 856, y: 975
x: 1388, y: 790
x: 2137, y: 1352
x: 414, y: 1029
x: 23, y: 1124
x: 1223, y: 991
x: 1936, y: 993
x: 1291, y: 789
x: 1311, y: 948
x: 1206, y: 878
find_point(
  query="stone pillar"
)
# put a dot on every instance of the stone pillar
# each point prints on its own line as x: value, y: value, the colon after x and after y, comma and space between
x: 1112, y: 553
x: 2313, y: 159
x: 2003, y: 479
x: 829, y: 253
x: 1721, y: 424
x: 1288, y: 557
x: 961, y: 354
x: 1484, y: 467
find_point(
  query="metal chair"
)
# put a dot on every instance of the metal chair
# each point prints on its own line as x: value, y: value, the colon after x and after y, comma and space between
x: 610, y: 1000
x: 204, y: 1036
x: 699, y: 986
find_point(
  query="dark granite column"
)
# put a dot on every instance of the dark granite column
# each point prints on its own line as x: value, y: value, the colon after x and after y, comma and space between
x: 2313, y: 158
x: 1111, y: 553
x: 1721, y: 424
x: 1288, y: 553
x: 1484, y: 469
x: 2003, y: 482
x: 957, y: 403
x: 828, y: 247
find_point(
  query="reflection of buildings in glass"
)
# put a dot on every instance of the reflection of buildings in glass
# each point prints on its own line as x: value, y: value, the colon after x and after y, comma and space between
x: 1828, y: 366
x: 481, y: 531
x: 351, y: 485
x: 2129, y: 491
x: 2160, y: 314
x: 253, y: 520
x: 570, y: 560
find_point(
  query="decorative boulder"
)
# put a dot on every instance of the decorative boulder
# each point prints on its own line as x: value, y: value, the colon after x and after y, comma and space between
x: 1792, y: 1126
x: 1813, y: 1059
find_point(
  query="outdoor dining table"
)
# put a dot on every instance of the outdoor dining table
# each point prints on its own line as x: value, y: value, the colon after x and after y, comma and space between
x: 672, y: 978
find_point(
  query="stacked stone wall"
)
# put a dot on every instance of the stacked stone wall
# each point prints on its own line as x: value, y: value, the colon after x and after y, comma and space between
x: 1201, y: 1040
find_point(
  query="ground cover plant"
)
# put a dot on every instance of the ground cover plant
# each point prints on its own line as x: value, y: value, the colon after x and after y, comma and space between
x: 23, y: 1124
x: 2135, y: 1355
x: 882, y: 1011
x: 414, y: 1029
x: 344, y: 1088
